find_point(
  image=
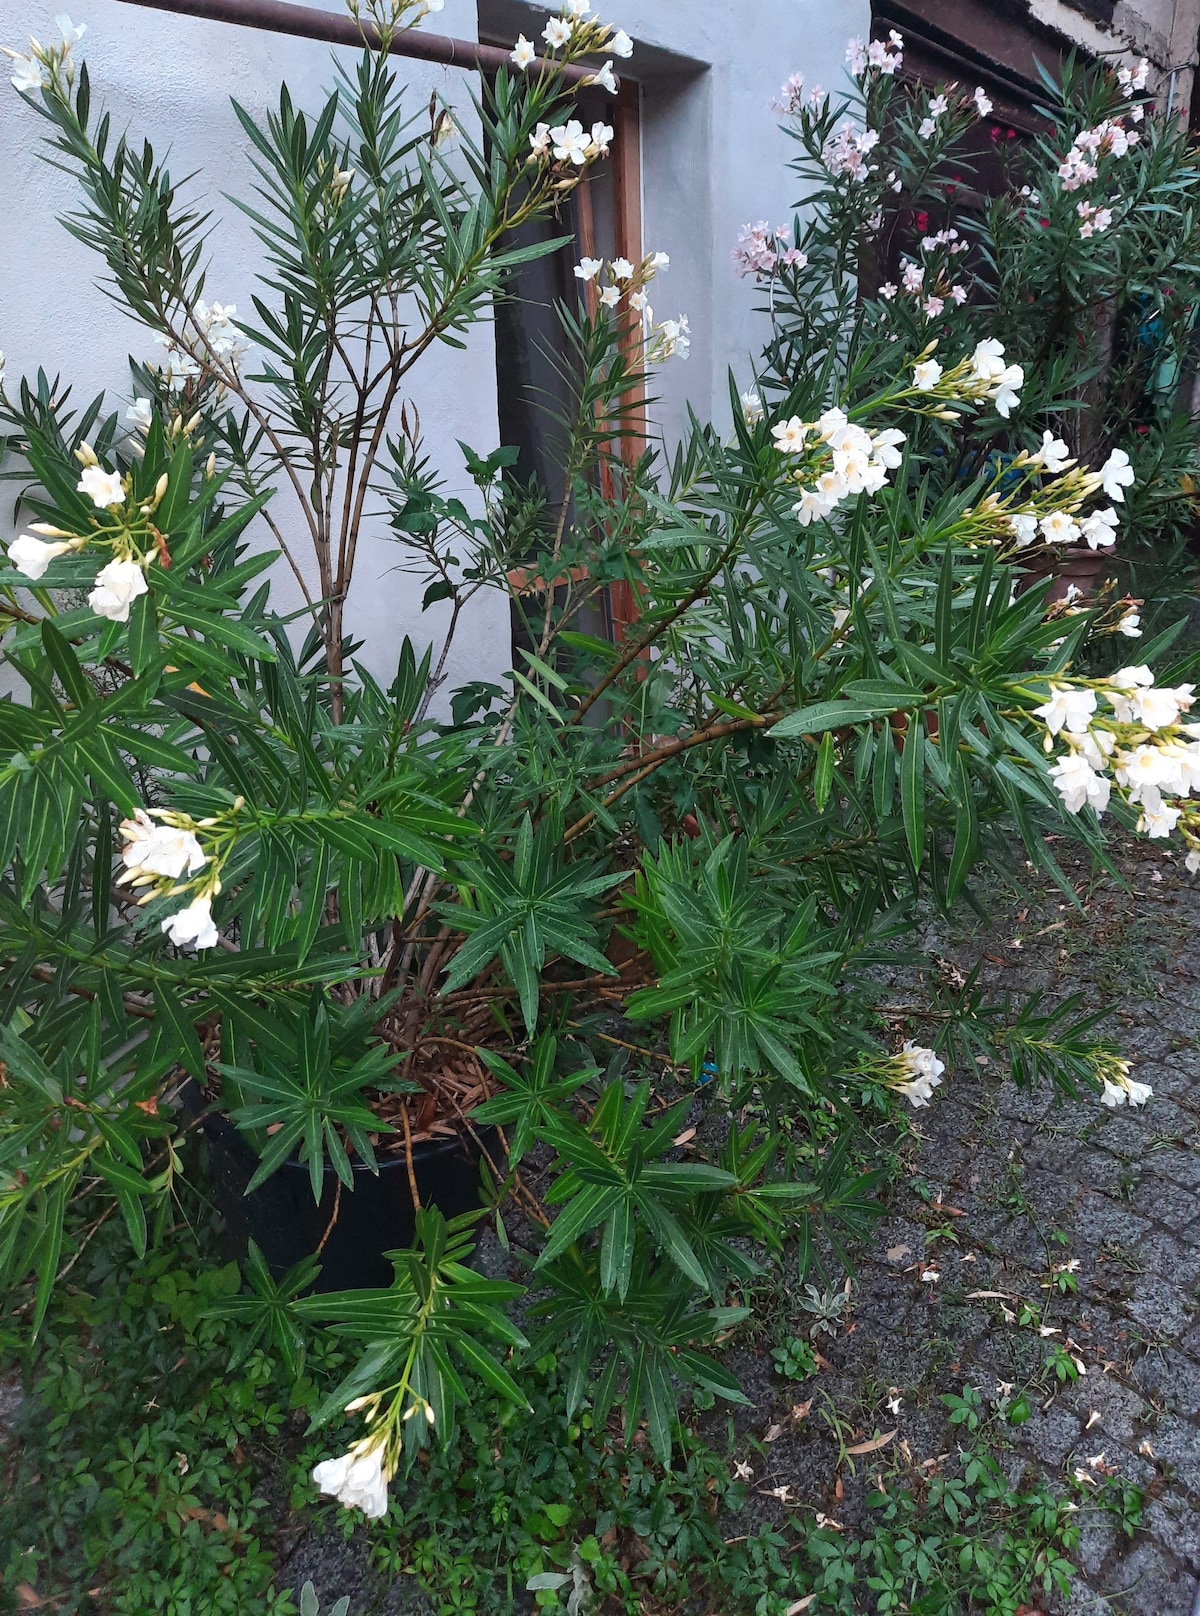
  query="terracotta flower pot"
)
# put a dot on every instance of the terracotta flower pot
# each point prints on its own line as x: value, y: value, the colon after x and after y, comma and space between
x: 1082, y: 568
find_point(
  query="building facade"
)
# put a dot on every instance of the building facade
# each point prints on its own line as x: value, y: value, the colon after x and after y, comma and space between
x: 698, y: 155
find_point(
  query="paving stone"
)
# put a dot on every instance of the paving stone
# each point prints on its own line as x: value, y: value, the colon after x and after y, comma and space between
x: 1160, y: 1306
x: 1179, y: 1166
x: 1098, y: 1539
x: 1146, y: 1582
x: 1176, y: 1525
x: 1053, y: 1435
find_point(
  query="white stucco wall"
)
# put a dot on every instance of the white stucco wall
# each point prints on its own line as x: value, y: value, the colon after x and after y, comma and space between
x: 713, y: 155
x: 713, y: 160
x: 172, y: 78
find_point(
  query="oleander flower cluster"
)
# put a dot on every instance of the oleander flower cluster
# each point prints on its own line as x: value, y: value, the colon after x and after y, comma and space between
x: 846, y: 151
x: 881, y: 56
x: 162, y: 857
x: 1042, y: 504
x: 390, y: 16
x: 1119, y: 1088
x: 574, y: 33
x: 914, y: 1072
x: 953, y: 108
x: 358, y: 1479
x: 764, y: 248
x: 839, y: 459
x: 121, y: 526
x: 1110, y: 137
x: 46, y: 67
x: 570, y: 143
x: 620, y: 282
x: 984, y: 376
x: 208, y: 340
x: 1128, y: 735
x: 791, y: 100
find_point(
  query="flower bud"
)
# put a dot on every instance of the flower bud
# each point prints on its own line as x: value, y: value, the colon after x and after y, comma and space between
x: 160, y: 488
x: 86, y: 455
x: 192, y: 424
x: 210, y: 465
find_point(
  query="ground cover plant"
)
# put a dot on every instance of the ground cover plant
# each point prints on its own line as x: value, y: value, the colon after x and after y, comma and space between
x: 239, y: 867
x: 162, y: 1463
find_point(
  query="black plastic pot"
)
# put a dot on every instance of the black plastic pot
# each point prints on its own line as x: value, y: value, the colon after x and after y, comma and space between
x: 287, y: 1225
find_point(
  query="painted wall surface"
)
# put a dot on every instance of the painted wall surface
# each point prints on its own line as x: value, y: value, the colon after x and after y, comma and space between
x: 713, y: 159
x: 713, y: 155
x: 171, y: 78
x: 1163, y: 30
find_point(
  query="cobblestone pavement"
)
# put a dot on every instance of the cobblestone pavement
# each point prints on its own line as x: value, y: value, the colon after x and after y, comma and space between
x: 1035, y: 1181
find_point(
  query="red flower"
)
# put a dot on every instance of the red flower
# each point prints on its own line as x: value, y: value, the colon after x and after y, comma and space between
x: 922, y: 223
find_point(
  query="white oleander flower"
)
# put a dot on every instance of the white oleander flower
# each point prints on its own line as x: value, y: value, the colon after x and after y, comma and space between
x: 102, y: 487
x: 1192, y: 862
x: 1007, y: 395
x: 588, y: 268
x: 660, y: 263
x: 988, y: 360
x: 539, y: 141
x: 810, y: 507
x: 193, y: 927
x: 1131, y: 625
x: 1059, y: 527
x: 983, y: 102
x: 1116, y: 475
x: 926, y: 375
x: 856, y: 57
x: 178, y: 366
x: 610, y: 297
x: 557, y: 33
x: 1100, y: 528
x: 154, y: 849
x: 790, y: 435
x: 1077, y: 783
x: 32, y: 556
x: 1069, y: 709
x: 602, y: 134
x: 1053, y: 454
x: 671, y: 337
x: 622, y: 269
x: 140, y: 414
x: 927, y: 127
x: 570, y: 142
x: 523, y: 52
x: 29, y: 74
x: 621, y: 45
x: 605, y: 79
x: 885, y: 447
x: 358, y: 1479
x: 752, y: 407
x: 117, y: 586
x: 1160, y: 708
x: 576, y: 8
x: 1024, y: 525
